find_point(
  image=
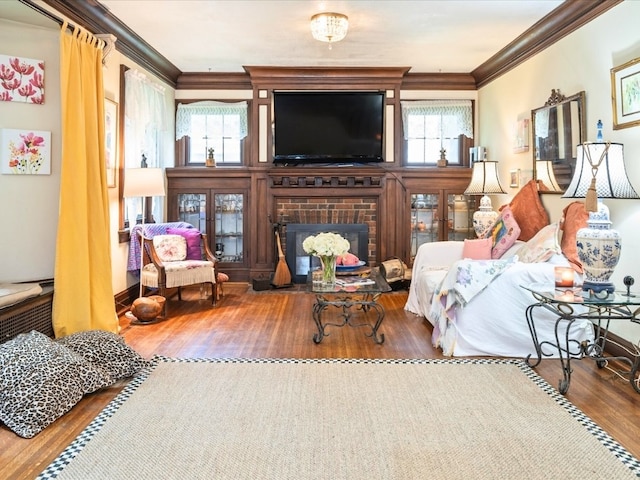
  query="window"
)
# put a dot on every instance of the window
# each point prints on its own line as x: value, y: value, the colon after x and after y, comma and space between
x: 433, y: 126
x: 146, y: 123
x: 212, y: 125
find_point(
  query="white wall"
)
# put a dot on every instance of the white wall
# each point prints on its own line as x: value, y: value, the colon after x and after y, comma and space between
x: 581, y: 61
x: 28, y: 203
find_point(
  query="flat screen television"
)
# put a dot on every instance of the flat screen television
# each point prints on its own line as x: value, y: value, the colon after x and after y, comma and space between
x: 328, y: 127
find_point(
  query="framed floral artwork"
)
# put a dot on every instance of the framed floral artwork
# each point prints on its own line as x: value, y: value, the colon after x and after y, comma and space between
x: 625, y: 94
x: 21, y: 80
x: 111, y: 140
x: 25, y: 152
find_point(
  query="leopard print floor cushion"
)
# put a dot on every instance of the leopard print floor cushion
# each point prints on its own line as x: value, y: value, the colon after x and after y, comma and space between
x: 107, y: 351
x: 41, y: 379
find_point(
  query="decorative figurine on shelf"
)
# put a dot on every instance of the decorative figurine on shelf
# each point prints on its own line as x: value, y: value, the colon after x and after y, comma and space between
x: 442, y: 162
x: 211, y: 162
x: 143, y: 162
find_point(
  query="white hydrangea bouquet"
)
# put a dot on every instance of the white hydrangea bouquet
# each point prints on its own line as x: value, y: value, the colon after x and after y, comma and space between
x: 327, y: 246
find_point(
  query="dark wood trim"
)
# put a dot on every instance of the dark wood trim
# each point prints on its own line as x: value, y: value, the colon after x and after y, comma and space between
x: 438, y: 81
x: 209, y: 80
x: 124, y: 299
x: 616, y: 346
x: 97, y: 19
x: 568, y: 17
x: 378, y: 78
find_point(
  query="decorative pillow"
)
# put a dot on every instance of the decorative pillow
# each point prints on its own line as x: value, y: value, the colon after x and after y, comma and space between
x: 541, y: 247
x: 477, y: 249
x: 503, y: 233
x: 574, y: 217
x: 170, y: 248
x: 528, y: 211
x: 40, y: 381
x: 192, y: 236
x: 107, y: 351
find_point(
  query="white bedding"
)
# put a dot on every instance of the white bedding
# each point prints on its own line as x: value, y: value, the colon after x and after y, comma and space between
x: 493, y: 323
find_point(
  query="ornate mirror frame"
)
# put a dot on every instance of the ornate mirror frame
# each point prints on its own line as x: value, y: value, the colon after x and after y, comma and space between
x: 557, y: 129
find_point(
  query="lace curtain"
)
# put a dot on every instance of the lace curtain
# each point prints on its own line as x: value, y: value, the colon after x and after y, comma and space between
x: 146, y: 119
x: 146, y: 132
x: 209, y: 107
x: 455, y: 114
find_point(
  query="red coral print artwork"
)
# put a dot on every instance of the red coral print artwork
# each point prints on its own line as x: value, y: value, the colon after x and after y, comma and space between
x: 21, y: 80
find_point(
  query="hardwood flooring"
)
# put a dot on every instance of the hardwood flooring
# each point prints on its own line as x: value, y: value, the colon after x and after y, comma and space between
x: 278, y: 324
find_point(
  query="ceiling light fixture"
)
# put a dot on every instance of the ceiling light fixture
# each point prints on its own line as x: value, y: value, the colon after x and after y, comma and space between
x: 329, y: 27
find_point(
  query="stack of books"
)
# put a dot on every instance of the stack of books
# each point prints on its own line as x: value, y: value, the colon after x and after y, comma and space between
x: 354, y: 281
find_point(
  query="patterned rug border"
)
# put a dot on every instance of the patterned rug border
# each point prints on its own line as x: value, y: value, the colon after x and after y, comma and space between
x: 69, y: 453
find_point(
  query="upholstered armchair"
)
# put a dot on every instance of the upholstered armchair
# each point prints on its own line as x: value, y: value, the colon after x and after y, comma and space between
x: 178, y: 260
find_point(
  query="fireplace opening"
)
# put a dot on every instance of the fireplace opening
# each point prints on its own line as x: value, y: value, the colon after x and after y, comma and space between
x: 300, y: 262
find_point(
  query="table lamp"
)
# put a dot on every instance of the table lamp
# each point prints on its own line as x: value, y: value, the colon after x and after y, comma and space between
x: 484, y: 180
x: 143, y: 183
x: 600, y: 173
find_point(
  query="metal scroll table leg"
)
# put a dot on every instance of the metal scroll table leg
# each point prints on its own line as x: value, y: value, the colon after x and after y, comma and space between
x: 534, y: 335
x: 318, y: 307
x: 379, y: 339
x: 565, y: 362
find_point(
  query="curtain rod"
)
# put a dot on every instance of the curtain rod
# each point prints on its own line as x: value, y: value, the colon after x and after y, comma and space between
x: 46, y: 13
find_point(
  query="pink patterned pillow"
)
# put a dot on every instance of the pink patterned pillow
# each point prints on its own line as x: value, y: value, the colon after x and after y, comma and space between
x: 170, y: 248
x: 477, y: 249
x: 192, y: 236
x: 503, y: 233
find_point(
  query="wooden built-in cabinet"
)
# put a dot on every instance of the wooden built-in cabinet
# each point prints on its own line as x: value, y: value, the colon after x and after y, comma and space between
x: 216, y: 207
x: 237, y: 208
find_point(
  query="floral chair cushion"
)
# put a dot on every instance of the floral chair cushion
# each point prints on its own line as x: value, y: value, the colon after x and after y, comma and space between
x: 170, y: 248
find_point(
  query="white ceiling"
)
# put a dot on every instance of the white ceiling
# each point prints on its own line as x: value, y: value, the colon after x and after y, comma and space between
x: 451, y: 36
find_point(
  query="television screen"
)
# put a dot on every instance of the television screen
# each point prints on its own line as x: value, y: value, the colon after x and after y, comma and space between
x: 329, y: 127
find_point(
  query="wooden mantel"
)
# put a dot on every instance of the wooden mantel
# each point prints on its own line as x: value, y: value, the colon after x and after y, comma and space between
x: 327, y: 77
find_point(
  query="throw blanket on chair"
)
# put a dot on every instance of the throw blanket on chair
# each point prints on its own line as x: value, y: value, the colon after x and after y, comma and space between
x: 466, y: 279
x: 150, y: 231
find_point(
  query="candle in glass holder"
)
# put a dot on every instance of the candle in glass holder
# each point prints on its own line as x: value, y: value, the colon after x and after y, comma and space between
x: 564, y: 276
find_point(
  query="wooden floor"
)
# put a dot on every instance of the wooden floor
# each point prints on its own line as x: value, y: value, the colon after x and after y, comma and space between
x: 278, y: 324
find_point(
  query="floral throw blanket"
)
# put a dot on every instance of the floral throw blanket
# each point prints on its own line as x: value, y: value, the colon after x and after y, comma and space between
x: 465, y: 279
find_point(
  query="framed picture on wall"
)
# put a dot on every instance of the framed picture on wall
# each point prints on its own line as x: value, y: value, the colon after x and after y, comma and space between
x: 111, y: 140
x: 625, y: 94
x: 25, y: 152
x: 514, y: 178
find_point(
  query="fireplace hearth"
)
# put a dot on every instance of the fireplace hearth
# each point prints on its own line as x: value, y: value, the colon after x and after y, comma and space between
x: 301, y: 262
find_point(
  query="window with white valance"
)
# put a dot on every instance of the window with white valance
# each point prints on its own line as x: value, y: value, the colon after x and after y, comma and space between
x: 430, y: 126
x: 209, y: 124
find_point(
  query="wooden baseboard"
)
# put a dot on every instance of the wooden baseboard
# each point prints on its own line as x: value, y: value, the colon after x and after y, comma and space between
x: 616, y: 346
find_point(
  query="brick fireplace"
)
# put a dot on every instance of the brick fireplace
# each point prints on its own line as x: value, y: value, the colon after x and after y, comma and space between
x: 354, y: 218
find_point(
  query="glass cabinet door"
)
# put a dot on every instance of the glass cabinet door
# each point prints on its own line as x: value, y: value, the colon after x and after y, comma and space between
x: 460, y: 210
x: 229, y: 227
x: 425, y: 216
x: 192, y: 208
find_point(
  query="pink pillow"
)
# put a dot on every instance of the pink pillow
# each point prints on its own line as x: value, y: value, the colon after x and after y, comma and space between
x: 192, y: 236
x: 479, y: 249
x: 503, y: 233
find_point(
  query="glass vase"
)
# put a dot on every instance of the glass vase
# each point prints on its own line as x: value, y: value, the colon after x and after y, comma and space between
x: 328, y: 269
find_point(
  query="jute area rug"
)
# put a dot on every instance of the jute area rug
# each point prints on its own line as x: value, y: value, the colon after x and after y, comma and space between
x: 341, y: 419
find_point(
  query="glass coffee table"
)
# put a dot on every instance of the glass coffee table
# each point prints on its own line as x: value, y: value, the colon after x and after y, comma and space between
x: 349, y: 300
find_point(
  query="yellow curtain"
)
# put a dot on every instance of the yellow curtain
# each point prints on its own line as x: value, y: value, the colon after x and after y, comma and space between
x: 83, y: 298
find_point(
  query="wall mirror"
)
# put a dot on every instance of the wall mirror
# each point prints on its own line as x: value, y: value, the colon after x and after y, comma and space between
x: 558, y: 128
